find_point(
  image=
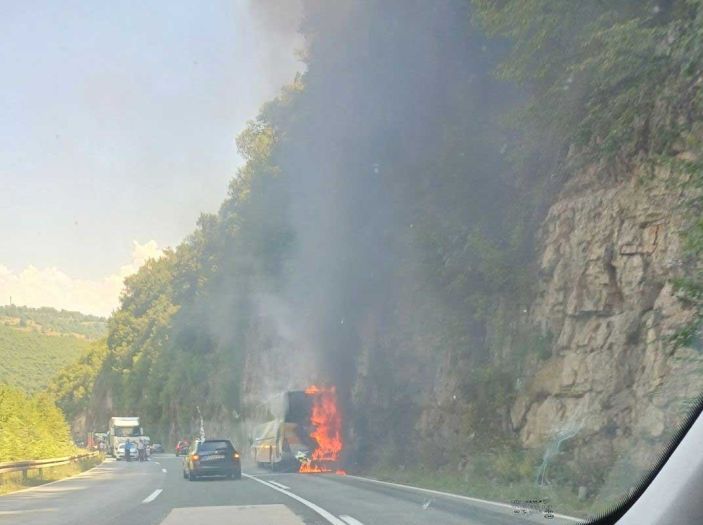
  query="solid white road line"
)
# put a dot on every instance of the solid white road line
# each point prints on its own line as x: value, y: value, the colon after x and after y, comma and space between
x: 334, y: 520
x: 151, y: 497
x: 164, y: 470
x: 456, y: 496
x: 279, y: 485
x: 350, y: 520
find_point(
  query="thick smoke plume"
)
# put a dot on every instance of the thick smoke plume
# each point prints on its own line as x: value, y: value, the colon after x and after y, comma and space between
x: 377, y: 163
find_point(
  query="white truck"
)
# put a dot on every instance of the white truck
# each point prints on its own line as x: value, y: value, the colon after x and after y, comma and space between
x: 121, y: 429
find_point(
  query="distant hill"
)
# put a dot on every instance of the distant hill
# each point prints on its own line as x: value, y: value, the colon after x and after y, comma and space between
x: 35, y: 343
x: 50, y: 321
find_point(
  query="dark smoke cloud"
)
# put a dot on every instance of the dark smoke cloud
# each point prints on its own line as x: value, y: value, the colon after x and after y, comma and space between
x: 383, y: 86
x: 278, y: 21
x: 278, y: 17
x: 394, y: 139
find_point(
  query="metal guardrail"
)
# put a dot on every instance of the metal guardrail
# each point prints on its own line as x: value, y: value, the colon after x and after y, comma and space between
x: 24, y: 466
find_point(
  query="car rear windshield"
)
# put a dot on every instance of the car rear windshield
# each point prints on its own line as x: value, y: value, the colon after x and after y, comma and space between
x: 211, y: 446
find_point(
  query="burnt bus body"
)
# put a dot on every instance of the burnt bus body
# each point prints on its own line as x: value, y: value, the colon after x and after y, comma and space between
x: 279, y: 442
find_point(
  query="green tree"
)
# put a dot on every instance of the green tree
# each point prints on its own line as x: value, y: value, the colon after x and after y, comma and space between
x: 31, y: 427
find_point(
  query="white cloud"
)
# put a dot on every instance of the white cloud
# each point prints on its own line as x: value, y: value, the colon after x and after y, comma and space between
x: 36, y: 287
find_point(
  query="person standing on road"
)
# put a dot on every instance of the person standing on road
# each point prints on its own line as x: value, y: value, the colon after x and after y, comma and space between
x: 128, y: 450
x: 141, y: 450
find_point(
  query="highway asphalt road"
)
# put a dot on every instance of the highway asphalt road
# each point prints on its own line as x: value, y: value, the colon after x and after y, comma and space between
x: 155, y: 493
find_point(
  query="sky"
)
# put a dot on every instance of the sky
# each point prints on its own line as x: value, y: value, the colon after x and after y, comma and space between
x: 117, y: 128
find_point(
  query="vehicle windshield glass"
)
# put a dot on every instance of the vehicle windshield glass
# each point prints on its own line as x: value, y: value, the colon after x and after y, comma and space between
x: 127, y: 431
x: 417, y: 259
x: 212, y: 446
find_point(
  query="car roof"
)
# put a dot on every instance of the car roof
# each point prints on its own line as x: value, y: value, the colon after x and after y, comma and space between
x: 215, y: 440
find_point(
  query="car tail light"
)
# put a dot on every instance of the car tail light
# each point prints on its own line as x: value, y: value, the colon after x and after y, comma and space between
x: 195, y: 457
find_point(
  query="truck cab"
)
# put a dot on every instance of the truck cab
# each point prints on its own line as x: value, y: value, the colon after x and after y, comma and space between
x: 120, y: 430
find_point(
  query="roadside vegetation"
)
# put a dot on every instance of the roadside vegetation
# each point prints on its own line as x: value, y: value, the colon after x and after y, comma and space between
x: 31, y: 427
x: 13, y: 481
x: 73, y: 385
x: 32, y: 357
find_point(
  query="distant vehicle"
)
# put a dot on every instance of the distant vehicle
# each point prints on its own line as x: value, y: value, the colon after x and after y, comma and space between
x: 120, y: 453
x: 97, y: 441
x: 182, y: 447
x: 157, y: 448
x: 120, y: 430
x: 212, y: 457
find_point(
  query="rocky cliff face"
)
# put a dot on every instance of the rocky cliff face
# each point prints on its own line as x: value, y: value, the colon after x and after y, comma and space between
x: 610, y: 246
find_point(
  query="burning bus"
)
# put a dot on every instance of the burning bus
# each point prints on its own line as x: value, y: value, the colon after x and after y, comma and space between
x: 278, y: 442
x: 303, y: 433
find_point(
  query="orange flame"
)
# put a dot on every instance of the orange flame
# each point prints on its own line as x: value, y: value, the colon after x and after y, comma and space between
x: 327, y: 430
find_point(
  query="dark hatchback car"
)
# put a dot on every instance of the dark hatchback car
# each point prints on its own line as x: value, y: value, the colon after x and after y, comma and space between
x: 212, y: 457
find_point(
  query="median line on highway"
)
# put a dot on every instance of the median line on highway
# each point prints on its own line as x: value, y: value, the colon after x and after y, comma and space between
x: 151, y: 497
x: 334, y: 520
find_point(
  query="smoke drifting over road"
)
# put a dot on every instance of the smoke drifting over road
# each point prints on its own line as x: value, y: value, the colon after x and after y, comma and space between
x: 361, y: 246
x: 391, y: 154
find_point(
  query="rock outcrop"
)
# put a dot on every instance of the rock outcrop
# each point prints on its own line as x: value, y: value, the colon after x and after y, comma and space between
x: 610, y: 247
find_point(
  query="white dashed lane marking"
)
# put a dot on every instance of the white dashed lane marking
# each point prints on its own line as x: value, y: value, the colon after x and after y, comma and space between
x: 151, y: 497
x: 350, y: 520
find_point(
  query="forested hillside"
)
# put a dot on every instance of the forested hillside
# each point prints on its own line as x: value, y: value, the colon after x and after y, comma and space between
x: 29, y: 359
x: 479, y: 220
x: 35, y: 345
x: 72, y: 386
x: 51, y: 321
